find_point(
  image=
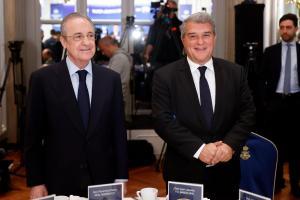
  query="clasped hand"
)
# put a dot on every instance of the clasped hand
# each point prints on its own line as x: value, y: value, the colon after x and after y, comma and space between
x: 216, y: 152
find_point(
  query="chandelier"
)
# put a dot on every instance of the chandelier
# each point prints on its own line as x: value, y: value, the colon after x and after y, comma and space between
x: 296, y: 2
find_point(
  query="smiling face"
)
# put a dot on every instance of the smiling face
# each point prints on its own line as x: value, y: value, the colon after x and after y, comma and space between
x: 80, y: 52
x: 287, y: 30
x: 199, y: 41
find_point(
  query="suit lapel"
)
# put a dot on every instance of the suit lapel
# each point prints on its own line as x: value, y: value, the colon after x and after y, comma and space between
x: 277, y: 62
x: 68, y: 96
x: 220, y: 94
x: 98, y: 90
x: 187, y: 83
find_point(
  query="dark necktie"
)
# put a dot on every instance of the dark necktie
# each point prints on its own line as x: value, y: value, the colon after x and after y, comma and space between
x: 205, y: 97
x: 287, y: 71
x: 83, y: 98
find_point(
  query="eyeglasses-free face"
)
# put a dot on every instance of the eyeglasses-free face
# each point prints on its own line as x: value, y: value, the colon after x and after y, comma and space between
x: 79, y: 40
x: 199, y: 41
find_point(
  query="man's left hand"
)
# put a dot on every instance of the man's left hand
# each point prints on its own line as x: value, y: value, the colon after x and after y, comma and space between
x: 224, y: 153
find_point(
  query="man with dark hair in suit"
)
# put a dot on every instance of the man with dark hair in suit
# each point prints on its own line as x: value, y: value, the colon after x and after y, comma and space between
x: 75, y: 135
x: 204, y: 111
x: 280, y: 75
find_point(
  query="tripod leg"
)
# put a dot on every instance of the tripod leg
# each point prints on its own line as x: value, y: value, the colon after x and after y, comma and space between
x: 161, y: 156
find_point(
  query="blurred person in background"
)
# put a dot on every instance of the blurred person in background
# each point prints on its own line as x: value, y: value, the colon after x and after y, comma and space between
x: 280, y: 73
x: 121, y: 62
x: 163, y: 44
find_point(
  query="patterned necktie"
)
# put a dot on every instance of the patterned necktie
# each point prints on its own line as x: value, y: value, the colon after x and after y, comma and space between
x: 83, y: 98
x: 287, y: 71
x: 205, y: 97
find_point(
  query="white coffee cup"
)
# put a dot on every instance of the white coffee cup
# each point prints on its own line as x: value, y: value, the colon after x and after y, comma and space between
x: 147, y: 194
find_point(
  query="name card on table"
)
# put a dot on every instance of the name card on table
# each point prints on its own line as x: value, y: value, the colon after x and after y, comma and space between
x: 50, y: 197
x: 113, y: 191
x: 246, y: 195
x: 185, y: 191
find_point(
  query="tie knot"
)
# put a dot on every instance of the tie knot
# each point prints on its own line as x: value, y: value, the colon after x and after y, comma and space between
x: 202, y: 70
x: 82, y: 74
x: 288, y: 44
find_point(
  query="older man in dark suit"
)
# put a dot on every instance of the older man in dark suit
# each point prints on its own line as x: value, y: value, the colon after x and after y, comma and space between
x: 75, y: 133
x: 280, y: 75
x: 203, y: 109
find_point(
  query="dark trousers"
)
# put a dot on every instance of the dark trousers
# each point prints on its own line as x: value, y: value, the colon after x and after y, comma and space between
x: 283, y: 127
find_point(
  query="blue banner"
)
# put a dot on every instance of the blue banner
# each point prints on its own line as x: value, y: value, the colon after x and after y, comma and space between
x: 142, y: 12
x: 59, y: 11
x: 104, y: 12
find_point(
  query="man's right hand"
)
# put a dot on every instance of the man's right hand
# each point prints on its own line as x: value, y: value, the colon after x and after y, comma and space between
x: 38, y: 191
x: 209, y: 152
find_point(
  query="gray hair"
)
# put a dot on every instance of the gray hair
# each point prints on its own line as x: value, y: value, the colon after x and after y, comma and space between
x: 73, y: 16
x: 200, y: 17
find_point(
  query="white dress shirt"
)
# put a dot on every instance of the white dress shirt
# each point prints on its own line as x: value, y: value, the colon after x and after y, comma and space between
x: 210, y: 77
x: 294, y: 73
x: 75, y: 77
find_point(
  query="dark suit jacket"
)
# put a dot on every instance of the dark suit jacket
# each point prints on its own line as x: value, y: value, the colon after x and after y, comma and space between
x: 178, y: 119
x: 271, y: 68
x: 59, y: 152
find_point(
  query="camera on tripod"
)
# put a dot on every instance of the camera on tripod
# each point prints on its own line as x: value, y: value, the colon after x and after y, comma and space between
x: 159, y: 6
x: 156, y: 4
x: 251, y: 48
x: 167, y: 10
x: 129, y: 20
x: 15, y: 49
x: 251, y: 45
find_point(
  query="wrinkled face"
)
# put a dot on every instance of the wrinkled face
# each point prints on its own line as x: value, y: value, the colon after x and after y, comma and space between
x: 79, y: 40
x: 199, y: 41
x: 287, y: 30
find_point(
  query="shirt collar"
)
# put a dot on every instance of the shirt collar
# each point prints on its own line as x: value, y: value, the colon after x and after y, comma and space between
x: 194, y: 66
x: 293, y: 43
x: 73, y: 68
